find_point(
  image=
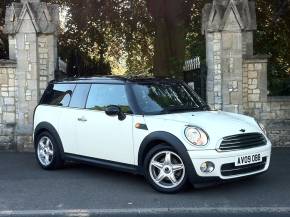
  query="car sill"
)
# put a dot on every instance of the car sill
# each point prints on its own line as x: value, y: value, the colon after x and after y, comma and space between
x: 103, y: 163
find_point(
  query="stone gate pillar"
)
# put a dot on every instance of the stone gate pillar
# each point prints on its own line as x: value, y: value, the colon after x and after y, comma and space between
x: 228, y: 27
x: 32, y: 29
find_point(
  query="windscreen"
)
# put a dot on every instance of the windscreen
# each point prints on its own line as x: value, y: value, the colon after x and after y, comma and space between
x: 162, y: 98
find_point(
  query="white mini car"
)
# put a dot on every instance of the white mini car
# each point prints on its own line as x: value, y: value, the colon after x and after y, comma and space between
x: 156, y: 127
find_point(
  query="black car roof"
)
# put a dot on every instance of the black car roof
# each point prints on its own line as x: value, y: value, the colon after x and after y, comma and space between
x: 115, y: 80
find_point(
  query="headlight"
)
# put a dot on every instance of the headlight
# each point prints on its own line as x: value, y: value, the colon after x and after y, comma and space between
x: 262, y: 128
x: 196, y: 136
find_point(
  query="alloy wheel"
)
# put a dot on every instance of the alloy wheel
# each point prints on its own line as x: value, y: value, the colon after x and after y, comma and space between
x: 166, y: 169
x: 45, y: 151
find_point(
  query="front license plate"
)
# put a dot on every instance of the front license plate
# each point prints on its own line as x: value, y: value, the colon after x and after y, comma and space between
x: 248, y: 159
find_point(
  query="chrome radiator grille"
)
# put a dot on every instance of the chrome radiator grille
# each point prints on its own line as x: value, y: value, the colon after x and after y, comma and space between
x: 242, y: 141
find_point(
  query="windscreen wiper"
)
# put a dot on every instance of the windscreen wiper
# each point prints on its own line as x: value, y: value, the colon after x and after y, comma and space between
x: 179, y: 108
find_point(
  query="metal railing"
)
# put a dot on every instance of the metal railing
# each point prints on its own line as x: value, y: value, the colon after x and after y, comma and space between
x: 191, y: 64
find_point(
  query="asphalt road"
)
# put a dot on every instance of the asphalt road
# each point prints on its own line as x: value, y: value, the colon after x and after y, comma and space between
x: 80, y: 190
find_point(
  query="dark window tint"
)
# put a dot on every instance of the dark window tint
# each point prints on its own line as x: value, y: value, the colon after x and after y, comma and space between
x: 80, y: 95
x: 58, y: 94
x: 103, y: 95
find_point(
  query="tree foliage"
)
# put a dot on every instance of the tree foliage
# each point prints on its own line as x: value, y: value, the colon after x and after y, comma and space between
x: 102, y: 34
x: 3, y: 38
x: 171, y: 20
x: 109, y: 32
x: 273, y: 38
x: 195, y: 41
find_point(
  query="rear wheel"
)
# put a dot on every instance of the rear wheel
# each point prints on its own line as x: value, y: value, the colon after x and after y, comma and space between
x: 165, y: 169
x: 47, y: 152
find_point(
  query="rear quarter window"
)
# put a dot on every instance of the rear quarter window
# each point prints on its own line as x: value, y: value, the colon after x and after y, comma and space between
x: 58, y: 94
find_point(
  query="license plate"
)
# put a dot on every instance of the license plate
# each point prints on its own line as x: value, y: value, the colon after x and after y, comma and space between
x: 248, y: 159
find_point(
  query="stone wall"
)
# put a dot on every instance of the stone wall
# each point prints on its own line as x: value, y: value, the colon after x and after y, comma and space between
x: 214, y: 88
x: 237, y: 80
x: 273, y: 112
x: 254, y: 81
x: 32, y: 35
x: 47, y: 60
x: 228, y: 28
x: 7, y: 104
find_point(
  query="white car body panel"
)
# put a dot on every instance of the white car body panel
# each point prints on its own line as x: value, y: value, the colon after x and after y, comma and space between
x: 49, y: 114
x: 68, y: 126
x: 216, y: 124
x: 107, y: 138
x: 138, y: 135
x: 220, y: 158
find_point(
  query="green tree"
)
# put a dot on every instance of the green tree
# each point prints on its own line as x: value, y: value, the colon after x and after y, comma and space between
x: 195, y: 41
x: 273, y: 38
x: 171, y: 21
x: 108, y: 32
x: 3, y: 38
x: 154, y: 35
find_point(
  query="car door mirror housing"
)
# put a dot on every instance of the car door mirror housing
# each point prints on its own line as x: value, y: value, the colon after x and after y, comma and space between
x: 114, y: 110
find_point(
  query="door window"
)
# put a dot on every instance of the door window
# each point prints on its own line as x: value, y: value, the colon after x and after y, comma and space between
x: 80, y: 95
x: 103, y: 95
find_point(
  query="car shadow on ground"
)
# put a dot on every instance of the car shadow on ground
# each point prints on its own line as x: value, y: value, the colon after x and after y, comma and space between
x: 139, y: 180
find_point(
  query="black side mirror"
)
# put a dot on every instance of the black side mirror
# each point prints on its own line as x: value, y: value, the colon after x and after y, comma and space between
x: 114, y: 110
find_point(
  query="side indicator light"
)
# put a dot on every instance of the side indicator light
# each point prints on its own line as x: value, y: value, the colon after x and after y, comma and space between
x: 141, y: 126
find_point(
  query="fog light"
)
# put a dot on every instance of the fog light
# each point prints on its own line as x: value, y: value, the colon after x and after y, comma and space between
x: 207, y: 167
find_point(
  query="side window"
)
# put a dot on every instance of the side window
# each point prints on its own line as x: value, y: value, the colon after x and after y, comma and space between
x: 103, y: 95
x: 58, y: 94
x: 80, y: 95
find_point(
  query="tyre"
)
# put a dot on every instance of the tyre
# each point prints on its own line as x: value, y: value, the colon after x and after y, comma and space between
x: 165, y: 170
x: 47, y: 152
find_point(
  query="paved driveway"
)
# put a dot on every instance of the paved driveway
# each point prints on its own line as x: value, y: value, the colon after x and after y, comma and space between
x: 26, y: 190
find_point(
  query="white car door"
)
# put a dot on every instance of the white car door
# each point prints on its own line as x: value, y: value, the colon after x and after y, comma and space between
x: 68, y: 124
x: 60, y: 96
x: 106, y: 137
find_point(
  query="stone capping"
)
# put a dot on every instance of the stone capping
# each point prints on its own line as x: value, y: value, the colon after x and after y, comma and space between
x: 279, y: 99
x: 44, y: 16
x: 257, y: 58
x: 7, y: 63
x: 215, y: 14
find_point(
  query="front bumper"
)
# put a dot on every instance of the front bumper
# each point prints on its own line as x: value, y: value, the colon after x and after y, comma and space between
x: 222, y: 158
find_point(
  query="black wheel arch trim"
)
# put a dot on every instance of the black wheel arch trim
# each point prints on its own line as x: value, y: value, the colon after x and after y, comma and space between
x: 180, y: 148
x: 45, y: 126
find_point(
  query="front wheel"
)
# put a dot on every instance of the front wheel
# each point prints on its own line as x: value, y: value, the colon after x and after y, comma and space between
x: 165, y: 170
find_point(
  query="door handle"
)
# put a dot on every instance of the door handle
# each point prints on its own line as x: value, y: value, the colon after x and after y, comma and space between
x: 82, y: 119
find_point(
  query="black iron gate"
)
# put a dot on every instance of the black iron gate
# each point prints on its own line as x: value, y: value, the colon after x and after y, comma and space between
x: 196, y: 73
